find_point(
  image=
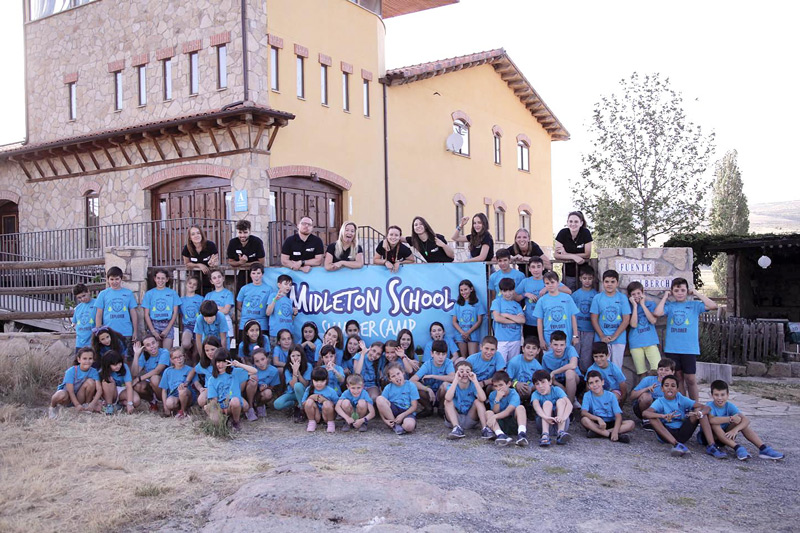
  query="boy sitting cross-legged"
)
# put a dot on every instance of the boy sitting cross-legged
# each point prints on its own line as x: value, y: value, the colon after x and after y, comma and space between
x: 464, y: 402
x: 600, y: 412
x: 649, y: 389
x: 552, y: 407
x: 355, y: 405
x: 507, y: 416
x: 727, y: 422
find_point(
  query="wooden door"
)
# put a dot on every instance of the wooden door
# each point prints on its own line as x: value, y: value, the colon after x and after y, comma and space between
x: 9, y: 227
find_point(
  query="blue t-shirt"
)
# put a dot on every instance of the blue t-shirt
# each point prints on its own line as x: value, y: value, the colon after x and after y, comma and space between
x: 467, y: 315
x: 255, y: 299
x: 521, y: 370
x: 512, y: 398
x: 401, y: 396
x: 346, y: 395
x: 83, y: 318
x: 339, y: 355
x: 644, y: 334
x: 172, y: 377
x: 428, y: 368
x: 451, y: 349
x: 333, y: 381
x: 224, y: 387
x: 371, y: 377
x: 287, y: 374
x: 610, y: 310
x: 116, y: 306
x: 550, y: 362
x: 77, y: 377
x: 533, y: 286
x: 122, y: 377
x: 556, y: 313
x: 683, y: 319
x: 583, y: 301
x: 216, y: 328
x: 328, y: 393
x: 726, y: 410
x: 612, y: 375
x: 240, y: 375
x: 495, y: 277
x: 555, y: 394
x: 463, y: 398
x: 507, y: 332
x: 650, y: 380
x: 605, y: 406
x: 679, y: 406
x: 202, y: 374
x: 161, y: 303
x: 280, y: 353
x: 221, y: 298
x: 282, y: 315
x: 146, y: 365
x: 485, y: 369
x: 253, y: 346
x: 269, y: 376
x: 190, y: 308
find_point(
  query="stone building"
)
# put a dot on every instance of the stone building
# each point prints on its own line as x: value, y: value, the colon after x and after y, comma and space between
x: 141, y: 114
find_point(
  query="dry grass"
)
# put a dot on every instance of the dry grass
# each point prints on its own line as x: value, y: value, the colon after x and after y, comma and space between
x: 775, y: 390
x: 29, y: 374
x: 96, y: 473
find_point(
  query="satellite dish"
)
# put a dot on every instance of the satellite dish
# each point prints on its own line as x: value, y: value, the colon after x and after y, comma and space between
x: 454, y: 142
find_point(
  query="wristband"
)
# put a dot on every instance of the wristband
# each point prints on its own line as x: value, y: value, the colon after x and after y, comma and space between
x: 514, y: 384
x: 302, y: 263
x: 130, y: 403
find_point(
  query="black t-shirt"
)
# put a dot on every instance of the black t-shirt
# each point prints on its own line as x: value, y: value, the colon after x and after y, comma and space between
x: 432, y: 252
x: 400, y: 253
x: 573, y: 246
x: 204, y: 256
x: 534, y: 250
x: 254, y: 249
x: 345, y: 255
x: 487, y: 239
x: 302, y: 250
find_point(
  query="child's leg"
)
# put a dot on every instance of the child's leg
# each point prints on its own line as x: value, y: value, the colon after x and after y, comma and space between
x: 594, y: 427
x: 87, y: 392
x: 143, y: 389
x: 202, y: 398
x: 373, y: 392
x: 250, y: 390
x: 563, y: 410
x: 385, y: 410
x: 472, y: 347
x: 521, y: 416
x: 264, y: 396
x: 450, y: 412
x: 328, y: 413
x: 645, y: 401
x: 362, y: 408
x: 154, y: 381
x: 719, y: 436
x: 617, y: 354
x: 571, y: 385
x: 491, y: 421
x: 752, y: 436
x: 626, y: 426
x: 311, y: 409
x: 61, y: 397
x: 691, y: 386
x: 638, y: 356
x: 285, y: 401
x: 187, y: 341
x: 463, y: 348
x: 681, y: 382
x: 235, y: 409
x: 109, y: 391
x: 409, y: 424
x: 585, y: 350
x: 185, y: 398
x: 662, y: 431
x: 547, y: 408
x: 123, y: 398
x: 171, y: 404
x: 653, y: 356
x: 299, y: 392
x: 347, y: 407
x: 480, y: 410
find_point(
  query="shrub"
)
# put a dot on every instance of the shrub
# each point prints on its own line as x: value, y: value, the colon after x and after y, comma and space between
x: 29, y: 374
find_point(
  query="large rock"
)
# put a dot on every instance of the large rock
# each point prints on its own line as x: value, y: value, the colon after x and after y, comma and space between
x: 754, y: 368
x: 709, y: 372
x: 795, y: 369
x: 739, y: 370
x: 780, y: 370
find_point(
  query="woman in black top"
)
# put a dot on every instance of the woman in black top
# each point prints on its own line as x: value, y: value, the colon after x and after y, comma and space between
x: 574, y: 246
x: 431, y: 246
x: 200, y: 254
x: 524, y: 249
x: 345, y: 252
x: 481, y: 244
x: 391, y: 252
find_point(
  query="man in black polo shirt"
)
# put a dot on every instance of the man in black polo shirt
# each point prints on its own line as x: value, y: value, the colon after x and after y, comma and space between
x: 302, y: 250
x: 243, y: 251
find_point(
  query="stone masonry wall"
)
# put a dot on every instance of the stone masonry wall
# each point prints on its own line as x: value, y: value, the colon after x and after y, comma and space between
x: 654, y: 267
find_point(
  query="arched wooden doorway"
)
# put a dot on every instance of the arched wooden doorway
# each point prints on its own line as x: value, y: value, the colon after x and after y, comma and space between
x: 9, y: 226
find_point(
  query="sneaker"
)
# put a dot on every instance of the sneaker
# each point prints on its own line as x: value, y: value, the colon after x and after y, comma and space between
x: 647, y: 426
x: 592, y: 435
x: 181, y: 415
x: 741, y: 453
x: 487, y: 434
x: 679, y: 450
x: 331, y: 427
x: 109, y: 409
x: 261, y: 411
x: 624, y: 438
x: 236, y: 426
x: 522, y: 439
x: 363, y: 427
x: 563, y: 437
x: 398, y: 428
x: 153, y: 407
x: 251, y: 415
x: 298, y: 416
x: 51, y: 413
x: 312, y: 426
x: 457, y: 433
x: 544, y: 440
x: 712, y: 450
x: 345, y: 427
x: 503, y: 439
x: 769, y: 453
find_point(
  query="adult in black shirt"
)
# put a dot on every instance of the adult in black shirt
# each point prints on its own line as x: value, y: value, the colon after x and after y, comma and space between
x: 524, y: 249
x: 243, y: 251
x: 345, y: 252
x: 302, y: 250
x: 200, y: 254
x: 431, y: 246
x: 391, y: 252
x: 481, y: 244
x: 574, y: 246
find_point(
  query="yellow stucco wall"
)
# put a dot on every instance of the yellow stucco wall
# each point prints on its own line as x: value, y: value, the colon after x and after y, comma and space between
x: 424, y: 177
x: 348, y: 144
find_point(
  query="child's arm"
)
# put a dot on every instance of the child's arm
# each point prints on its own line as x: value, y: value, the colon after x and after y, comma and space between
x: 594, y: 418
x: 370, y: 412
x: 572, y: 365
x: 563, y: 288
x: 516, y: 319
x: 708, y: 302
x: 413, y: 409
x: 340, y: 411
x: 409, y: 368
x: 475, y: 326
x: 271, y: 306
x: 497, y: 316
x: 247, y: 368
x: 149, y: 324
x: 537, y: 408
x: 135, y: 322
x: 659, y: 311
x: 623, y: 390
x: 198, y: 341
x: 596, y: 326
x: 223, y: 337
x: 457, y: 237
x: 445, y: 378
x: 457, y: 326
x: 540, y: 331
x: 650, y: 318
x: 190, y: 377
x: 576, y: 340
x: 636, y: 393
x: 164, y: 399
x: 626, y: 319
x: 98, y: 317
x: 634, y: 312
x: 615, y: 429
x: 481, y: 394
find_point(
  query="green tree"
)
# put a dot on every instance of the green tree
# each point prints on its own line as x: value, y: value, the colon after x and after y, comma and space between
x: 729, y: 212
x: 643, y: 178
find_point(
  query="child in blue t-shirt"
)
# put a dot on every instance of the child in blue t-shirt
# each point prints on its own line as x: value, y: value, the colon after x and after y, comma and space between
x: 210, y: 323
x: 433, y: 373
x: 437, y: 334
x: 224, y: 388
x: 297, y: 376
x: 505, y: 271
x: 674, y: 418
x: 319, y: 400
x: 252, y: 338
x: 528, y: 293
x: 464, y: 403
x: 177, y: 393
x: 327, y: 360
x: 522, y: 367
x: 83, y: 316
x: 280, y: 309
x: 468, y: 316
x: 486, y: 362
x: 369, y: 365
x: 259, y: 389
x: 583, y: 301
x: 600, y: 411
x: 80, y: 387
x: 190, y: 310
x: 727, y: 422
x: 116, y: 307
x: 161, y: 305
x: 611, y: 314
x: 280, y: 353
x: 613, y: 378
x: 105, y: 339
x: 555, y: 311
x: 552, y: 408
x: 507, y: 415
x: 681, y: 338
x: 149, y: 362
x: 642, y: 338
x: 508, y: 319
x: 116, y: 381
x: 221, y: 296
x: 561, y: 361
x: 204, y: 369
x: 397, y: 404
x: 355, y: 406
x: 253, y: 298
x: 649, y: 389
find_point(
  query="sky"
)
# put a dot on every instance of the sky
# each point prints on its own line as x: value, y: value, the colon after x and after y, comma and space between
x: 735, y: 63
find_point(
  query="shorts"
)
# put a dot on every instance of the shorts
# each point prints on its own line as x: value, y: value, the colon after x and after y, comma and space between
x: 685, y: 432
x: 508, y: 349
x: 586, y: 339
x: 473, y: 337
x: 120, y: 390
x: 161, y: 327
x: 192, y: 392
x: 464, y: 420
x: 637, y: 410
x: 617, y: 353
x: 684, y: 362
x: 539, y: 421
x: 508, y: 425
x: 650, y: 353
x: 397, y: 411
x: 529, y: 331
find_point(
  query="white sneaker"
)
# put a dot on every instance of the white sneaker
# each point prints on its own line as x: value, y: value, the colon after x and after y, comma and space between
x: 251, y: 415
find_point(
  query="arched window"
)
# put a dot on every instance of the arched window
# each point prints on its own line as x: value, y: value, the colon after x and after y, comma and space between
x: 525, y: 220
x: 459, y: 214
x: 523, y: 156
x: 92, y: 219
x: 500, y: 224
x: 496, y: 138
x: 461, y: 127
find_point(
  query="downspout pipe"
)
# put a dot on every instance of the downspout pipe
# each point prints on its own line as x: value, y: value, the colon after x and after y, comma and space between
x: 245, y: 73
x: 385, y: 156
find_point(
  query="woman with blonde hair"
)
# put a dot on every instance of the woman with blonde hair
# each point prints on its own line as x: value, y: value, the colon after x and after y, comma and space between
x: 345, y: 252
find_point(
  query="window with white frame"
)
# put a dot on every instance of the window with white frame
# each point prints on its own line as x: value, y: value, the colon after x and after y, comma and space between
x: 118, y: 90
x: 345, y: 91
x: 462, y: 128
x: 166, y: 72
x: 500, y: 224
x: 301, y: 77
x: 141, y: 75
x: 496, y: 138
x: 194, y: 73
x: 323, y: 84
x: 366, y: 98
x: 273, y: 68
x: 222, y: 66
x: 73, y: 100
x: 525, y: 220
x: 523, y: 156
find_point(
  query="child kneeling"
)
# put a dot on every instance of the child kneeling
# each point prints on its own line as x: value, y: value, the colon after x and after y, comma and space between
x: 319, y: 400
x: 80, y: 387
x: 600, y: 412
x: 552, y: 407
x: 507, y: 416
x: 355, y: 405
x: 397, y: 404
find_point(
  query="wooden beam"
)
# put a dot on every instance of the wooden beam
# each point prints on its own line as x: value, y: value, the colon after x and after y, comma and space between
x: 52, y: 166
x: 213, y: 139
x: 38, y: 168
x: 188, y: 131
x: 79, y: 161
x: 64, y: 162
x: 141, y: 152
x: 110, y: 159
x: 32, y: 315
x: 259, y: 134
x: 25, y: 170
x: 94, y: 160
x: 272, y: 136
x: 118, y: 144
x: 175, y: 144
x: 153, y: 139
x: 57, y: 289
x: 61, y: 263
x: 233, y: 137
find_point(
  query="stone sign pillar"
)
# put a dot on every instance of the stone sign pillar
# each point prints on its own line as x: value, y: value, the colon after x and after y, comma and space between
x: 654, y: 268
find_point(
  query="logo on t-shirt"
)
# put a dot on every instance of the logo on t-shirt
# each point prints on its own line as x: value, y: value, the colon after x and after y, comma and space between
x: 557, y: 314
x: 253, y: 302
x: 467, y: 317
x: 285, y: 309
x: 117, y: 305
x: 679, y: 318
x: 611, y: 314
x: 161, y: 305
x: 85, y: 319
x: 586, y: 306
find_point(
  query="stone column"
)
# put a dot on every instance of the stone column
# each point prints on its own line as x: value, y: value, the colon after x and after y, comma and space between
x: 134, y: 262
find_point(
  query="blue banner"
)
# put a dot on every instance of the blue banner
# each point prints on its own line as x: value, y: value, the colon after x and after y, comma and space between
x: 381, y: 301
